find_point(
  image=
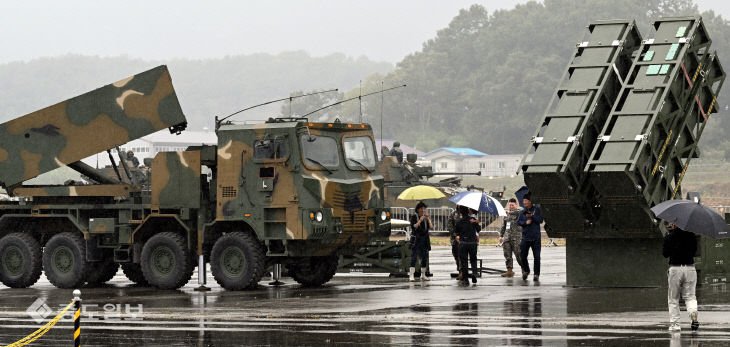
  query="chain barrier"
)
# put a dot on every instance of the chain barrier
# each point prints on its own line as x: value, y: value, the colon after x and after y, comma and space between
x: 75, y: 303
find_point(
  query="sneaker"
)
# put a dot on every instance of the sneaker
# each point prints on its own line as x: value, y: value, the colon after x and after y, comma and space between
x: 536, y: 278
x: 695, y: 323
x: 524, y: 275
x: 674, y: 328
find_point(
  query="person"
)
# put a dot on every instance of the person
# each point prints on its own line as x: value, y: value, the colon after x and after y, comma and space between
x: 510, y: 236
x: 529, y: 219
x: 133, y: 159
x: 420, y: 226
x: 681, y: 247
x: 397, y: 152
x: 451, y: 227
x: 467, y: 235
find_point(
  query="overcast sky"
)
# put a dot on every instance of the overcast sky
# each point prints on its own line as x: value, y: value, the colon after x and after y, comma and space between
x: 385, y: 30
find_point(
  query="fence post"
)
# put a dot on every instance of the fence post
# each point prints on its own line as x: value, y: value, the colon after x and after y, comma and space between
x: 77, y: 318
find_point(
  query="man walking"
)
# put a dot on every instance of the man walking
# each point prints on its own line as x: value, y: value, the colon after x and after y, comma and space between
x: 510, y: 236
x: 529, y: 219
x: 680, y: 247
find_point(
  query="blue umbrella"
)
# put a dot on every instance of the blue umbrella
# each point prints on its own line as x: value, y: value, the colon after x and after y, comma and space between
x: 480, y: 202
x: 520, y: 194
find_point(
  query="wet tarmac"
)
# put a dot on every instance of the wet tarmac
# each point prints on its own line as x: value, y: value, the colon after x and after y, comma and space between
x: 361, y: 309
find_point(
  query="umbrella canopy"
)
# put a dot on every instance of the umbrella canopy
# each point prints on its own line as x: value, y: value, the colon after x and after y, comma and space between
x: 520, y: 194
x: 421, y: 193
x: 693, y: 217
x: 480, y: 202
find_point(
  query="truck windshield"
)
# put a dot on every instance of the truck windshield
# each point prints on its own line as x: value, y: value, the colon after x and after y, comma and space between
x: 359, y: 152
x: 320, y: 151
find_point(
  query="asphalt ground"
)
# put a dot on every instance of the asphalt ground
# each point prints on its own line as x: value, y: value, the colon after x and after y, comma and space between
x: 356, y: 309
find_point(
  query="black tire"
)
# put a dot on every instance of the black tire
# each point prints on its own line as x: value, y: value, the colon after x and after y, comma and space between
x: 166, y: 261
x: 21, y: 260
x: 102, y: 272
x: 134, y: 273
x: 64, y: 260
x: 238, y: 261
x: 314, y: 271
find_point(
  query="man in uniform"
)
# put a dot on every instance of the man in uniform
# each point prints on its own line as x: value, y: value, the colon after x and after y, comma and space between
x: 397, y: 152
x: 132, y: 159
x: 510, y: 235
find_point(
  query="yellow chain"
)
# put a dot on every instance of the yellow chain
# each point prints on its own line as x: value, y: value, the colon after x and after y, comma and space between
x: 43, y: 330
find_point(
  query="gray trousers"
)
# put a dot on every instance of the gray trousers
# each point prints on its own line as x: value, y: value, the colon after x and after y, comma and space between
x: 511, y: 246
x: 682, y: 282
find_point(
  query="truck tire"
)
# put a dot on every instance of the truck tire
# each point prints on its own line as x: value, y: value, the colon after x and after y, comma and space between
x: 314, y: 271
x: 64, y: 260
x: 134, y: 273
x: 20, y: 260
x: 237, y: 261
x: 166, y: 261
x: 102, y: 272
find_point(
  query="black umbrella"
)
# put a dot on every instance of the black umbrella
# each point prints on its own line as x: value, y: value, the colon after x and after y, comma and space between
x: 693, y: 217
x: 520, y: 194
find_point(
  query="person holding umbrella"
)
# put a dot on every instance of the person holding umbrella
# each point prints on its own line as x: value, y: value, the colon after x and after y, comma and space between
x: 685, y: 217
x: 420, y: 225
x: 681, y: 247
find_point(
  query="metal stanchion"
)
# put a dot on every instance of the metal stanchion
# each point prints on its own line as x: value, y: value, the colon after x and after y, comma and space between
x: 77, y: 318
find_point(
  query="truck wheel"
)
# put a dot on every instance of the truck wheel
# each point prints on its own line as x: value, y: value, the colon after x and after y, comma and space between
x: 314, y: 271
x: 237, y: 261
x: 101, y: 272
x: 20, y: 260
x: 134, y: 273
x: 64, y: 260
x: 166, y: 261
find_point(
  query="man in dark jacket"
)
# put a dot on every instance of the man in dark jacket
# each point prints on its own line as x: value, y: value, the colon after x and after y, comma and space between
x: 681, y: 247
x: 420, y: 225
x: 467, y: 235
x: 529, y: 219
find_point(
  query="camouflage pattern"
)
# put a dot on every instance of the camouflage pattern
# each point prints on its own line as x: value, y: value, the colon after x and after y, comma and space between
x: 511, y: 237
x: 175, y: 180
x: 108, y: 190
x: 276, y: 196
x: 87, y: 124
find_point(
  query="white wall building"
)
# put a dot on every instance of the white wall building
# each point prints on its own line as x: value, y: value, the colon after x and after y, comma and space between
x: 467, y: 160
x: 150, y: 145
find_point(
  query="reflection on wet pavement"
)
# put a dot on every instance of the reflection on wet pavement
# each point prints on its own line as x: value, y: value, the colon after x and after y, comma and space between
x: 370, y: 309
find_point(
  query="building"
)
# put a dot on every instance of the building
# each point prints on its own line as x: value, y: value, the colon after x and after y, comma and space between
x: 468, y: 160
x: 150, y: 145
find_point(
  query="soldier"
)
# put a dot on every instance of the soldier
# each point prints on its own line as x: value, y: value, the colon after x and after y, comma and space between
x: 510, y: 236
x: 397, y: 152
x: 133, y: 159
x: 451, y: 227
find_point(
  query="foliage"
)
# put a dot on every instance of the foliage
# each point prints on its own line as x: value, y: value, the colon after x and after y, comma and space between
x: 485, y: 80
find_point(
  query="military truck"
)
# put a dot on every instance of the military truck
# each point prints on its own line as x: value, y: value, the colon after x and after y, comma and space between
x: 616, y: 139
x: 286, y: 191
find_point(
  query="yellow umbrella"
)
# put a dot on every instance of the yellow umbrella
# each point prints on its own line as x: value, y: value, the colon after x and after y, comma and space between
x: 421, y: 193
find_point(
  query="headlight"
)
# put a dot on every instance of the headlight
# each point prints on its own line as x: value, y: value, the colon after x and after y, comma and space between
x: 383, y: 215
x: 319, y: 216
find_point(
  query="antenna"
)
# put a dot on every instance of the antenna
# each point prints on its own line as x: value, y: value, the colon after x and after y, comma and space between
x: 353, y: 98
x: 290, y: 98
x: 382, y: 98
x: 360, y: 101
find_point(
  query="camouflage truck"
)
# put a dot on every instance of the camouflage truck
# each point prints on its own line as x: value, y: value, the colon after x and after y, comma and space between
x: 287, y: 192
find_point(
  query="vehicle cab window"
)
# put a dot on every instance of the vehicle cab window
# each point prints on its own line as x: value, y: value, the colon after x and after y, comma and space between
x: 359, y: 152
x: 270, y: 149
x: 318, y: 151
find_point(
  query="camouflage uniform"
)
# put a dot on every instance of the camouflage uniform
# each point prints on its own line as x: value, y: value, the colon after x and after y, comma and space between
x: 511, y: 237
x: 451, y: 227
x: 397, y: 152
